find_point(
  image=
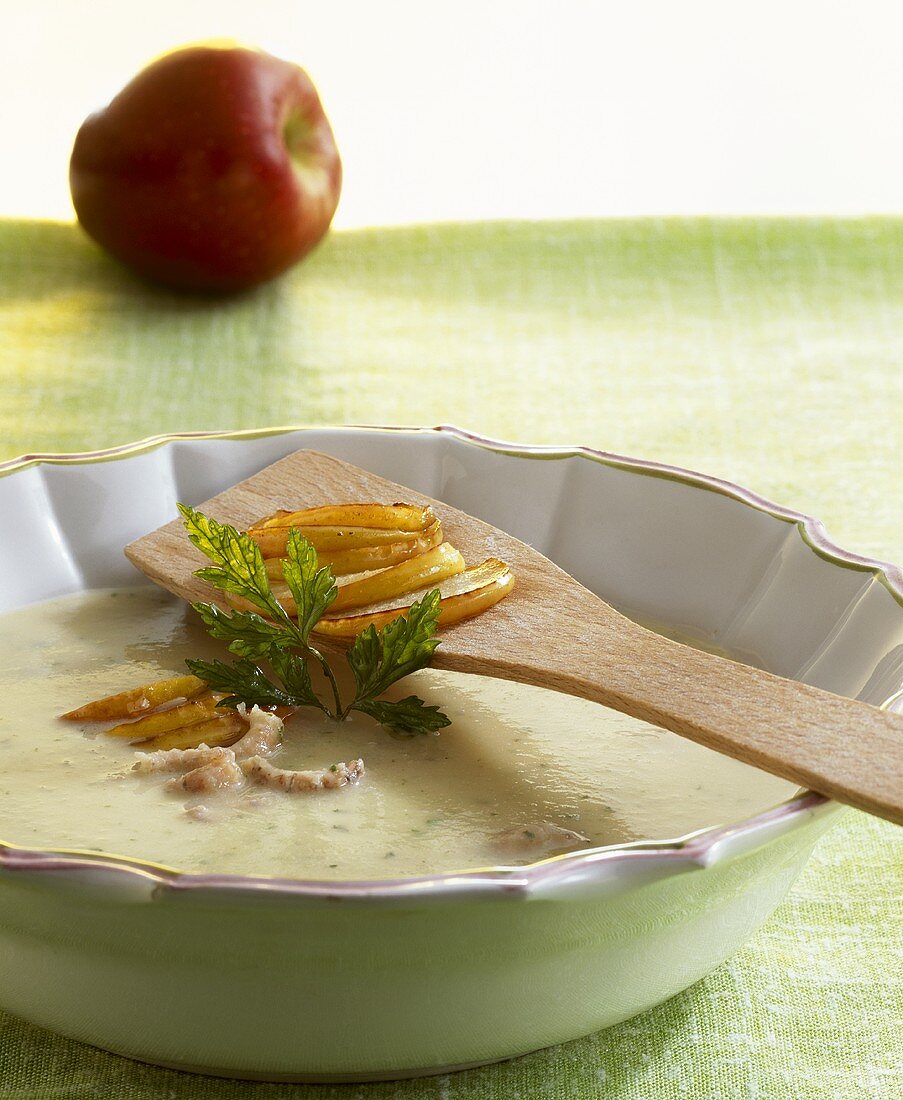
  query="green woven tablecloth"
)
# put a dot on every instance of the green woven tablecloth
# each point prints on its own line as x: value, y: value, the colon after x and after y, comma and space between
x: 768, y: 352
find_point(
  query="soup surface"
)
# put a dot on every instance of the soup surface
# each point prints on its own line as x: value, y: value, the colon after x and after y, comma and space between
x: 516, y: 775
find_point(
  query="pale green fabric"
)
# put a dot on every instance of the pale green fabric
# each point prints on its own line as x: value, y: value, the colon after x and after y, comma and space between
x: 768, y: 352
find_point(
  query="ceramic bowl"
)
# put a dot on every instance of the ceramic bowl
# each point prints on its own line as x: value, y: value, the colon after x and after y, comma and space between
x: 357, y: 980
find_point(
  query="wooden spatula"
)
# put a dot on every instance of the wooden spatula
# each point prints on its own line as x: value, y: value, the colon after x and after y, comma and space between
x: 557, y: 634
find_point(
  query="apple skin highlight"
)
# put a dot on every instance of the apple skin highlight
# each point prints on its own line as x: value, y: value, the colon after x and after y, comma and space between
x: 213, y: 170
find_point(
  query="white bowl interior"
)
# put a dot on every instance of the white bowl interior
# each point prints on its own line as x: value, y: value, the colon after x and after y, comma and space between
x: 673, y: 552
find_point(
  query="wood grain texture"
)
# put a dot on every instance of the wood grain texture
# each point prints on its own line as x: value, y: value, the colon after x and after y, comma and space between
x: 555, y: 633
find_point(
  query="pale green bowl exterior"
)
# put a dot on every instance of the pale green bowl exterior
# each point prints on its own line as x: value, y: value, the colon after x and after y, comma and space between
x: 265, y: 985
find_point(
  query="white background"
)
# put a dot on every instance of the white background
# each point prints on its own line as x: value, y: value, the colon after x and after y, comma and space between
x: 501, y: 109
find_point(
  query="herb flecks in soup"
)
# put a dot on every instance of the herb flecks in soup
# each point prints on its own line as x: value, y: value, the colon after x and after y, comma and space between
x: 514, y: 759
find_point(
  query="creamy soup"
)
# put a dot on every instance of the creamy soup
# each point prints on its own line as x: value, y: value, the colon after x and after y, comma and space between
x: 520, y: 774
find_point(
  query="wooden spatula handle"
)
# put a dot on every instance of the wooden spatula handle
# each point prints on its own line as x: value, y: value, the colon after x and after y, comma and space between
x: 837, y: 746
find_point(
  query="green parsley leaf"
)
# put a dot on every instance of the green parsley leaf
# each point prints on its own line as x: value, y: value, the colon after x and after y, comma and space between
x: 245, y: 682
x: 405, y: 718
x: 403, y: 646
x: 248, y: 634
x: 312, y: 589
x: 294, y: 672
x: 238, y: 563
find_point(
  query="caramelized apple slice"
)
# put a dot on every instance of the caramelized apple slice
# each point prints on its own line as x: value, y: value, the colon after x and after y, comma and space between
x: 392, y: 517
x: 462, y: 596
x: 195, y: 710
x: 364, y: 559
x: 272, y: 540
x: 139, y: 699
x: 425, y: 571
x: 224, y: 729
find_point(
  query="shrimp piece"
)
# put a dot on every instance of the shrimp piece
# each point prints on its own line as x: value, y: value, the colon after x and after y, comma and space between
x: 179, y: 760
x: 262, y: 771
x: 209, y: 777
x: 198, y: 812
x: 264, y: 734
x: 540, y: 839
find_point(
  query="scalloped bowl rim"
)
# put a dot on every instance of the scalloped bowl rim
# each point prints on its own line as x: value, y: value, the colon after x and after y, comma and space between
x: 698, y: 849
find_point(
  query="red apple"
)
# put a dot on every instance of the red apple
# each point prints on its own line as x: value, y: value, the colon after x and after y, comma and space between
x: 214, y: 169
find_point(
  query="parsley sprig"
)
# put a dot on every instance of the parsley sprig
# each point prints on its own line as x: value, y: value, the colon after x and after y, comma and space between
x: 377, y: 659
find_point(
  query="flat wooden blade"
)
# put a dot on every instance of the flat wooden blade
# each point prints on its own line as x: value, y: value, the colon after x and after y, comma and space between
x: 307, y: 479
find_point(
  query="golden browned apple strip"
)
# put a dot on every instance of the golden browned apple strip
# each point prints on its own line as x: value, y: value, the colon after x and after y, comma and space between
x: 195, y: 710
x: 224, y: 729
x: 273, y: 540
x: 425, y: 571
x: 364, y: 559
x: 392, y: 517
x: 462, y: 596
x: 137, y: 700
